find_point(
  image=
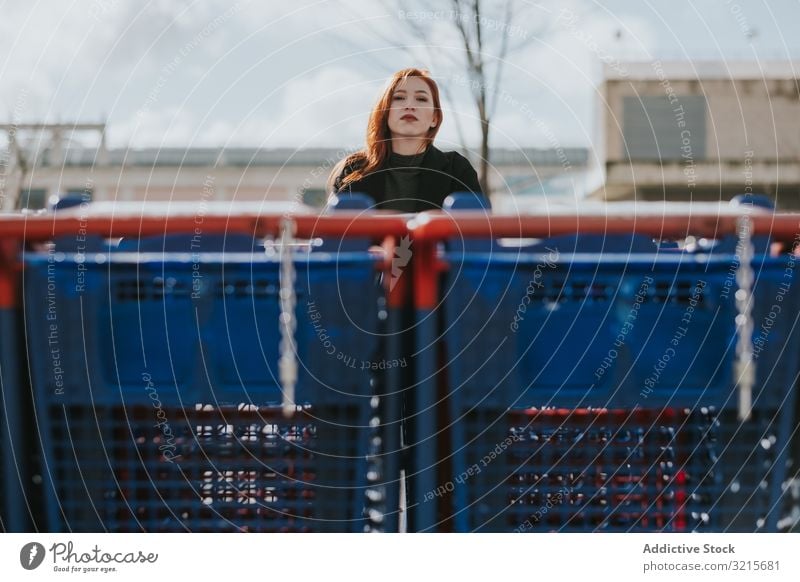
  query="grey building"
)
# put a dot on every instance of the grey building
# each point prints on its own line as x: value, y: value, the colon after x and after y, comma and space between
x: 31, y: 174
x: 700, y: 131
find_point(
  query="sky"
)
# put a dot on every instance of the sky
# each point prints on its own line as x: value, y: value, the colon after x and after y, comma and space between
x: 304, y: 74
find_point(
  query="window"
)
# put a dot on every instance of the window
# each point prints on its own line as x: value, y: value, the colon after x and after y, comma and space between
x: 32, y: 198
x: 314, y: 197
x: 655, y: 129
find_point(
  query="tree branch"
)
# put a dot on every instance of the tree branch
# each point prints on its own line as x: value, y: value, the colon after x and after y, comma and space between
x: 500, y: 60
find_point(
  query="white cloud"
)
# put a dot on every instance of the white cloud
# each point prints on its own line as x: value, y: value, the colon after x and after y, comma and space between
x: 328, y: 107
x: 106, y: 58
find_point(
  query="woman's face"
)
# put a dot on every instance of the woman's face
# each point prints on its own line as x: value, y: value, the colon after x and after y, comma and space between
x: 411, y: 113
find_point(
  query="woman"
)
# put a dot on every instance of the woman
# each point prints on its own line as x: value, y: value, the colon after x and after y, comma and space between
x: 400, y: 168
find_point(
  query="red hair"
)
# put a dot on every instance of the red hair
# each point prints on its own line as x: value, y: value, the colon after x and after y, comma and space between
x: 379, y: 138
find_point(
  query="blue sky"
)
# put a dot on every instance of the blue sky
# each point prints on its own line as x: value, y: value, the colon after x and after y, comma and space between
x: 252, y: 73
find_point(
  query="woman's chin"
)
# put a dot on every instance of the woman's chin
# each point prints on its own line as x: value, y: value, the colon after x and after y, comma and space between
x: 408, y: 135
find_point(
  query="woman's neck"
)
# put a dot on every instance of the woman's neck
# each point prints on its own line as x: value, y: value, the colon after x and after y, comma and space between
x: 408, y: 146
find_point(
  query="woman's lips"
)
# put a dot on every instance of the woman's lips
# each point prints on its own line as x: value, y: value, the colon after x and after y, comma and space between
x: 408, y: 118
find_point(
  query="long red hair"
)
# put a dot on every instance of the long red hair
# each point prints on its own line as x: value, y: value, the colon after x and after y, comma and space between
x: 379, y: 138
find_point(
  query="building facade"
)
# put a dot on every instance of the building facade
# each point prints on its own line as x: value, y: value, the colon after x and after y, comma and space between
x: 700, y: 131
x: 30, y: 175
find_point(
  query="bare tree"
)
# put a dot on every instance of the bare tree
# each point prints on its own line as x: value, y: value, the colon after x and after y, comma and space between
x: 485, y: 36
x: 475, y: 37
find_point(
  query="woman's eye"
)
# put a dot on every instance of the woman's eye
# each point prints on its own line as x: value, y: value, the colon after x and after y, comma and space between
x: 422, y: 99
x: 397, y: 97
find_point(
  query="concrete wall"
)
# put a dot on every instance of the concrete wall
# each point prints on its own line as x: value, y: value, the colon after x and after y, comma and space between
x: 751, y: 143
x: 761, y: 115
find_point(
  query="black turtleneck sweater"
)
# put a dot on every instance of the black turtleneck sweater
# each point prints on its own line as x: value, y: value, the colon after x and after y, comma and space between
x: 402, y: 182
x: 413, y: 183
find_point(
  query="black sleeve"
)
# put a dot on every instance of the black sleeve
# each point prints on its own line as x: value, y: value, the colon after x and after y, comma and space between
x: 337, y: 183
x: 348, y: 169
x: 465, y: 178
